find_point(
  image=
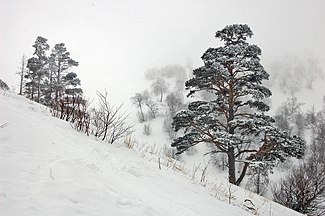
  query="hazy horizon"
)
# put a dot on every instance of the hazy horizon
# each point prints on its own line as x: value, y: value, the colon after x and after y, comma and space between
x: 116, y: 41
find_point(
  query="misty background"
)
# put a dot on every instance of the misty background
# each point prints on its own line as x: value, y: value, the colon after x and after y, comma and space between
x: 115, y: 42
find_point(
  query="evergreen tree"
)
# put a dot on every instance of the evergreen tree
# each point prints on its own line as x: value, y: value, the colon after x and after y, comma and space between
x: 34, y: 66
x: 60, y: 62
x: 72, y: 85
x: 234, y: 121
x: 41, y: 47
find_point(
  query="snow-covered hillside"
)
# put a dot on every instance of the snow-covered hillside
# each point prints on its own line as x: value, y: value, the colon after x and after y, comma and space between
x: 48, y: 168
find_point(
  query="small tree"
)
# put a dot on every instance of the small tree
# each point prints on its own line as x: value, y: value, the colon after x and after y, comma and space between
x: 138, y: 100
x: 33, y: 65
x: 152, y: 106
x: 21, y: 73
x: 234, y: 122
x: 147, y: 129
x: 174, y: 103
x: 160, y: 87
x: 289, y: 117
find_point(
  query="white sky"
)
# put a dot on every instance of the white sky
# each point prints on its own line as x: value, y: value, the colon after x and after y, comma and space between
x: 116, y: 41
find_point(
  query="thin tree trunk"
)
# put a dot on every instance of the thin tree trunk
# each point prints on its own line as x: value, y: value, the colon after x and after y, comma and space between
x: 258, y: 181
x: 51, y: 87
x: 161, y: 96
x: 57, y: 82
x: 38, y: 88
x: 242, y: 174
x: 21, y: 74
x: 33, y: 87
x: 141, y: 112
x: 106, y: 127
x: 21, y: 84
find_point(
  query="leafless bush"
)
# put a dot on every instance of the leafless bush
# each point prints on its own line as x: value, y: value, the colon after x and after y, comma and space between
x: 3, y: 86
x: 147, y: 129
x: 109, y: 122
x: 129, y: 141
x: 220, y: 160
x: 304, y: 189
x: 152, y: 106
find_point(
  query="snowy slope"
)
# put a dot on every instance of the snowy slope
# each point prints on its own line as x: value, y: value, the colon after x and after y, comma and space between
x: 47, y: 168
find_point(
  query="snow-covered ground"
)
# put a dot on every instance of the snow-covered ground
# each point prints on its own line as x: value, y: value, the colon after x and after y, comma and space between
x: 48, y: 168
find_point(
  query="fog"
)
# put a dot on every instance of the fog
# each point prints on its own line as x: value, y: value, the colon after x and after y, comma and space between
x: 116, y: 41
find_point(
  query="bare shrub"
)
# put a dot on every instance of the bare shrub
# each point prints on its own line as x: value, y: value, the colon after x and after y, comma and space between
x: 304, y: 189
x: 152, y: 106
x: 147, y: 129
x: 109, y: 122
x: 129, y: 141
x: 3, y: 86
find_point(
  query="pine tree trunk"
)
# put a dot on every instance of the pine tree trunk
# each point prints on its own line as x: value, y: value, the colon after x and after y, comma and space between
x: 242, y: 174
x: 231, y: 165
x: 21, y: 84
x: 231, y: 130
x: 33, y: 88
x: 57, y: 82
x: 258, y: 181
x: 51, y: 87
x: 38, y: 89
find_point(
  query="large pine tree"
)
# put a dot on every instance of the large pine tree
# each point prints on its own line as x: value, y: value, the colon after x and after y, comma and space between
x: 234, y: 121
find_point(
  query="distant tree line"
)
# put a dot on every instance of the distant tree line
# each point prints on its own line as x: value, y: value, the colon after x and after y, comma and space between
x: 291, y: 74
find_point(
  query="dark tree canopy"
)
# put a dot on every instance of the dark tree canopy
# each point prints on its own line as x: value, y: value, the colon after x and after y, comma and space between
x: 234, y: 121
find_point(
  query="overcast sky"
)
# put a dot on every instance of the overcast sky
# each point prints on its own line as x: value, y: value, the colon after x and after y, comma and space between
x: 116, y: 41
